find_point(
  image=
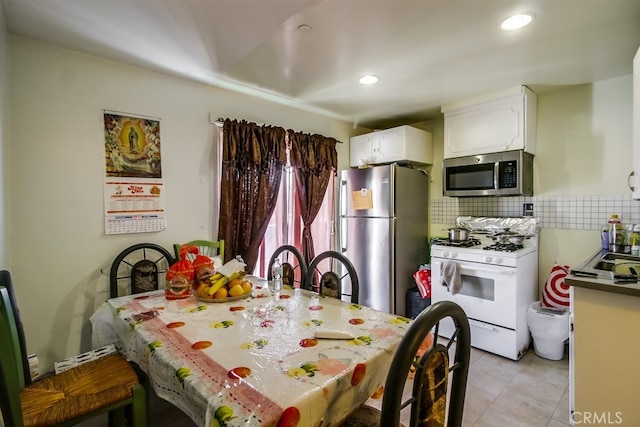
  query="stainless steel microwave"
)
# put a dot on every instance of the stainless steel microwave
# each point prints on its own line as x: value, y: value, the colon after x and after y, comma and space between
x: 509, y: 173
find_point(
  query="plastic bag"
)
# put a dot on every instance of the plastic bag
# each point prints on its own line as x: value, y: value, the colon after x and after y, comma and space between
x: 422, y: 278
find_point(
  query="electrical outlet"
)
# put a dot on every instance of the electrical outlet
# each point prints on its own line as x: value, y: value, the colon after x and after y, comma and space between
x: 34, y: 367
x: 527, y: 209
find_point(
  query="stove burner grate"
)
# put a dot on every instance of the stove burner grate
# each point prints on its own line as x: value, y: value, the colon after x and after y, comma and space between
x: 461, y: 244
x: 504, y: 247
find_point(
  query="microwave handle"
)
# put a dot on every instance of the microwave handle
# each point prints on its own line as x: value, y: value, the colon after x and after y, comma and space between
x: 496, y: 171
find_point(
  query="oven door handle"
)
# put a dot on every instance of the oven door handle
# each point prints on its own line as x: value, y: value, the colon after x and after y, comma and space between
x: 481, y: 325
x: 508, y: 272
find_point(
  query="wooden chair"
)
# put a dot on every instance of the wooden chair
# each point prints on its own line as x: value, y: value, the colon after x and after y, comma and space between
x: 329, y: 272
x: 139, y: 268
x: 433, y: 375
x: 294, y: 267
x: 109, y: 384
x: 209, y: 248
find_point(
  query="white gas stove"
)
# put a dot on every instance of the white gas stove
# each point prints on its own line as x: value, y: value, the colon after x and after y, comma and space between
x: 493, y: 283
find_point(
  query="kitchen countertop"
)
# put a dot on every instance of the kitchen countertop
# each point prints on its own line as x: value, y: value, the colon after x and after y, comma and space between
x: 601, y: 280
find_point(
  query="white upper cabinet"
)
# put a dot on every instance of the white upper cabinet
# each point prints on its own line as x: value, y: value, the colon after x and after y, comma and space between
x: 402, y: 144
x: 494, y: 123
x: 636, y: 126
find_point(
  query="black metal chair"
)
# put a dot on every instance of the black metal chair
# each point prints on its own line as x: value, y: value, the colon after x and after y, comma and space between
x: 329, y: 272
x: 433, y: 374
x: 139, y: 268
x: 294, y: 267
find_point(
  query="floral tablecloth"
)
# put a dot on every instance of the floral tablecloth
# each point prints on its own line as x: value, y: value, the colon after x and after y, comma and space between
x: 254, y: 361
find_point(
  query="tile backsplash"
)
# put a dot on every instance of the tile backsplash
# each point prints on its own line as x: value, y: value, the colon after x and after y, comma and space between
x: 572, y: 212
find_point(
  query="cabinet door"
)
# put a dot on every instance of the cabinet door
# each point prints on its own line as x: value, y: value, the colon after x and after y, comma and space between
x: 360, y: 149
x: 636, y: 127
x: 490, y: 127
x: 389, y: 146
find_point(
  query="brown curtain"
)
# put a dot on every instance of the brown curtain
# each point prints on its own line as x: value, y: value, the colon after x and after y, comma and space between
x: 252, y: 160
x: 315, y: 159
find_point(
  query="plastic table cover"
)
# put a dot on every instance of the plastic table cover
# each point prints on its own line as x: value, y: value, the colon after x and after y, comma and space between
x: 254, y: 361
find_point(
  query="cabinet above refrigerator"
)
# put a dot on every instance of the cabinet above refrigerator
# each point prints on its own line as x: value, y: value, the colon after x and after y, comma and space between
x: 402, y: 144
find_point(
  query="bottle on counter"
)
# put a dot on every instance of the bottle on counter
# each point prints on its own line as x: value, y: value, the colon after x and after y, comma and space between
x: 277, y: 275
x: 604, y: 236
x: 635, y: 243
x: 615, y: 233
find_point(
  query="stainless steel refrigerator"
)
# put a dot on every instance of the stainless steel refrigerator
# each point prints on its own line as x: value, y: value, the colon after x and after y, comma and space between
x: 383, y: 230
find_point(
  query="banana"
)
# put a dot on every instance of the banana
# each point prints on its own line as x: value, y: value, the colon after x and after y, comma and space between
x: 235, y: 275
x: 215, y: 277
x: 218, y: 284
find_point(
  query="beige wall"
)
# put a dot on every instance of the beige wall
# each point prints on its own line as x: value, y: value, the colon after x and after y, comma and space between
x: 55, y: 177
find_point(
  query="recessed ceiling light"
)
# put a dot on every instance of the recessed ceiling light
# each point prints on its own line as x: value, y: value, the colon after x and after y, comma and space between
x: 517, y: 21
x: 368, y: 79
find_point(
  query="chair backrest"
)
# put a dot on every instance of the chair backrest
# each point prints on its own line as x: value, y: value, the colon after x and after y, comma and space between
x: 7, y: 282
x: 329, y: 272
x: 11, y: 372
x: 209, y: 248
x: 294, y: 267
x: 403, y: 361
x: 139, y: 268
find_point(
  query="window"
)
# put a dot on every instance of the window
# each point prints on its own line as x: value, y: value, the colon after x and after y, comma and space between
x: 285, y: 226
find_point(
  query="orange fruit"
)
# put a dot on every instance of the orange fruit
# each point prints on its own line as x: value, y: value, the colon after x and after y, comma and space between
x: 221, y: 293
x: 234, y: 282
x: 246, y: 286
x: 203, y: 291
x: 236, y: 291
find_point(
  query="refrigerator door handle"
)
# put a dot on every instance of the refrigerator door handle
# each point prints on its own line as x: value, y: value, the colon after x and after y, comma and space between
x: 343, y: 197
x: 343, y: 234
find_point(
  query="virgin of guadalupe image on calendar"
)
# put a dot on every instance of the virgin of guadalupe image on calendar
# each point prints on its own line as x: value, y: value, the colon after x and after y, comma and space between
x: 132, y: 146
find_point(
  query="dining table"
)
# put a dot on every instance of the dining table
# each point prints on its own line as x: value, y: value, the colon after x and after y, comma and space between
x: 286, y: 358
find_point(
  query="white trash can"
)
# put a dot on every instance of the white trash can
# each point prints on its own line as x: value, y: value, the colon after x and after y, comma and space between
x: 549, y: 329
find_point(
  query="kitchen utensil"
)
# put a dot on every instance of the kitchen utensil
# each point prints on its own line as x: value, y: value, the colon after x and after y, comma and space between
x: 583, y: 273
x: 507, y: 236
x: 624, y: 278
x: 458, y: 234
x: 333, y: 334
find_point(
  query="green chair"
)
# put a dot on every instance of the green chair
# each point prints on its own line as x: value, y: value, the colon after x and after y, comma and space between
x: 206, y: 247
x: 109, y: 384
x: 5, y: 280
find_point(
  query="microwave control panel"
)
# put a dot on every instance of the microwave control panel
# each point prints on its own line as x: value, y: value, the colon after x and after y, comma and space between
x: 508, y: 174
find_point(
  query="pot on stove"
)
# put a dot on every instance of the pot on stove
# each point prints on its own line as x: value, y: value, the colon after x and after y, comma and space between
x: 505, y: 237
x: 458, y: 234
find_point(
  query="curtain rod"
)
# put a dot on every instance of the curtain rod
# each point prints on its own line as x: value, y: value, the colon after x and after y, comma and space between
x: 220, y: 121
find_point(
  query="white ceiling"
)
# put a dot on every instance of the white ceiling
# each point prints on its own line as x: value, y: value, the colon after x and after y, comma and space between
x: 426, y: 52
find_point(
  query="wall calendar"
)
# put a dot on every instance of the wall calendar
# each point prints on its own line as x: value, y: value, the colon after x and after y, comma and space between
x: 134, y: 193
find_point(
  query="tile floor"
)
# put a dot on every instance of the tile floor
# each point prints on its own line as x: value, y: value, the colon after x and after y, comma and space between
x: 532, y: 392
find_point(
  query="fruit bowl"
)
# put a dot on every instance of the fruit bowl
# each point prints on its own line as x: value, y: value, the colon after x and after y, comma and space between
x: 228, y: 299
x: 223, y: 289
